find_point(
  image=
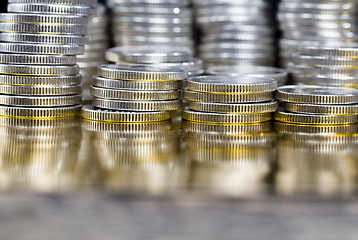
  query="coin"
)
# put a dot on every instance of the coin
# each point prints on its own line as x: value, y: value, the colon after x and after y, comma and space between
x: 51, y: 9
x: 40, y: 113
x: 42, y: 28
x: 38, y: 70
x: 37, y: 59
x: 91, y: 113
x: 227, y: 98
x: 327, y: 71
x: 41, y: 90
x: 314, y: 119
x: 349, y: 109
x: 339, y: 81
x: 251, y: 108
x: 134, y: 95
x: 148, y: 54
x: 41, y: 48
x: 345, y: 52
x: 141, y: 73
x: 317, y: 94
x: 231, y: 85
x: 40, y: 101
x: 220, y: 118
x: 91, y: 3
x: 44, y: 38
x: 133, y: 85
x: 40, y: 80
x: 141, y: 106
x: 43, y: 19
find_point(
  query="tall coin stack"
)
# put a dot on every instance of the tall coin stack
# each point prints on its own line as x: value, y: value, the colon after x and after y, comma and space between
x: 137, y: 93
x: 330, y: 66
x: 39, y: 77
x: 236, y: 32
x: 322, y: 22
x: 279, y: 74
x: 229, y: 105
x: 317, y: 110
x: 152, y: 22
x: 98, y: 43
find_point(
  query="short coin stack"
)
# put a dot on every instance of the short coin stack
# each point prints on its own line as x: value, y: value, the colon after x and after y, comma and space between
x: 236, y: 32
x: 98, y: 43
x: 135, y: 94
x: 39, y: 77
x: 330, y: 66
x: 279, y: 74
x: 317, y: 110
x: 323, y: 22
x: 148, y: 22
x: 229, y: 105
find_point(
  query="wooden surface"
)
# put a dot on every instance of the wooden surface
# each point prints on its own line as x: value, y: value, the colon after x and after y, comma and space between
x: 101, y: 215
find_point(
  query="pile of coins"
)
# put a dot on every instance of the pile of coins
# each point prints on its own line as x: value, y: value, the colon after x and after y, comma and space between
x: 135, y: 94
x: 148, y: 22
x: 39, y: 77
x: 317, y: 110
x: 233, y: 105
x: 322, y: 22
x: 236, y: 32
x: 98, y: 43
x: 279, y: 74
x: 330, y: 66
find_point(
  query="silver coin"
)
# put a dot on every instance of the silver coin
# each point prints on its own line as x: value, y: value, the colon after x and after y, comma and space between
x: 38, y: 70
x: 30, y: 101
x: 51, y: 9
x: 40, y: 80
x: 41, y: 48
x: 43, y: 38
x: 43, y: 19
x: 317, y: 94
x: 37, y: 59
x: 91, y: 3
x: 149, y: 10
x: 40, y: 90
x: 42, y: 28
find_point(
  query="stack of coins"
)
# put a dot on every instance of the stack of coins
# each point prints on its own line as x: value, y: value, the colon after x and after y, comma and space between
x: 136, y: 155
x: 39, y: 77
x: 279, y: 74
x: 148, y: 22
x: 330, y: 66
x: 136, y: 93
x: 98, y: 43
x: 322, y: 22
x: 39, y: 154
x: 234, y: 105
x: 236, y: 32
x: 317, y: 110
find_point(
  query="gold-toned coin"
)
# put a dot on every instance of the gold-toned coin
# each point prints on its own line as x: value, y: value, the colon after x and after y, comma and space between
x: 251, y: 108
x: 223, y: 118
x: 349, y: 109
x: 290, y: 128
x: 227, y: 98
x: 314, y: 119
x: 91, y: 113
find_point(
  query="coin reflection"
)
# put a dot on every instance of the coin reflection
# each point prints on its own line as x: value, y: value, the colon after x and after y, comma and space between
x: 230, y: 165
x: 137, y: 157
x: 323, y: 164
x: 39, y: 154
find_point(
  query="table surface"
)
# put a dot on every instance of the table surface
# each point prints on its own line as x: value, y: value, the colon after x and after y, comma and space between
x: 87, y: 180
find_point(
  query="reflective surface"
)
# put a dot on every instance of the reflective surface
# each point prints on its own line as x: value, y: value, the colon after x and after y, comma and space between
x: 157, y: 158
